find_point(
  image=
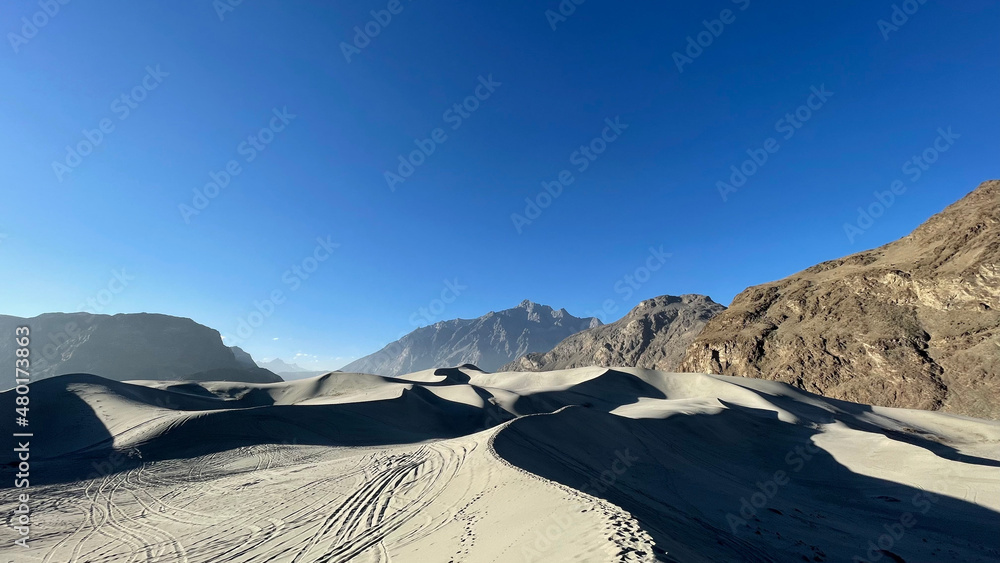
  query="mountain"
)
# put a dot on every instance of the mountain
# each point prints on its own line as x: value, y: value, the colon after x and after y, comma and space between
x: 653, y: 335
x: 243, y: 357
x: 278, y: 365
x: 289, y: 372
x: 126, y: 346
x: 488, y: 342
x: 914, y: 323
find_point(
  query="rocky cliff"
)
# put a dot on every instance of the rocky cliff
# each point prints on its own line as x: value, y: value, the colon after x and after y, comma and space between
x: 653, y: 335
x: 914, y: 323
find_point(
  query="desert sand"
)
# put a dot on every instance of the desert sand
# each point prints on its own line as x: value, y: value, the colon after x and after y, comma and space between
x: 586, y: 464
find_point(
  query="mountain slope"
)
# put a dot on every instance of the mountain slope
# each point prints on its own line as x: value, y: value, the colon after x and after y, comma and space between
x: 127, y: 346
x: 914, y: 323
x: 488, y: 342
x: 653, y: 335
x: 243, y: 358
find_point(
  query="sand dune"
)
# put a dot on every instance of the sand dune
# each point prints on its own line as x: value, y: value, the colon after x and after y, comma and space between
x: 587, y: 464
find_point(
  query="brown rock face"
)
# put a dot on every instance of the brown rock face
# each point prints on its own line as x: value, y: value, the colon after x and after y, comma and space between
x: 914, y: 323
x: 653, y: 335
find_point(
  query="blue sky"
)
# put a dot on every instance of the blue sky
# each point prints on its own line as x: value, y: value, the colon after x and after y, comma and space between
x: 198, y: 86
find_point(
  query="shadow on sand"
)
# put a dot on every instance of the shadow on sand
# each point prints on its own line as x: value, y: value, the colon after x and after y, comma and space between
x: 690, y: 480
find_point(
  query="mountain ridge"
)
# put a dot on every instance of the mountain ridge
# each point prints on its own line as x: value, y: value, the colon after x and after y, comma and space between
x: 128, y: 346
x: 653, y: 335
x: 488, y: 341
x: 914, y: 323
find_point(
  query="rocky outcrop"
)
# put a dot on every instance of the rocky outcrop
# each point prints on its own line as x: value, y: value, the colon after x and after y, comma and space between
x: 489, y: 341
x: 243, y: 358
x: 914, y: 323
x: 653, y: 335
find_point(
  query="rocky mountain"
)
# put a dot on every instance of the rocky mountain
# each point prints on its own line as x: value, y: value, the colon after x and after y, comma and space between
x: 488, y: 342
x: 914, y: 323
x: 244, y: 358
x: 126, y: 346
x: 653, y: 335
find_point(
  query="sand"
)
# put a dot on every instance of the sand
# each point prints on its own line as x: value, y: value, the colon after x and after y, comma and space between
x: 587, y: 464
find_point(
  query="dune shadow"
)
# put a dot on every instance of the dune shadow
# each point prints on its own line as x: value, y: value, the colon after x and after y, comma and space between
x: 851, y: 417
x: 707, y: 488
x: 455, y: 375
x: 605, y: 392
x: 416, y: 415
x: 76, y: 433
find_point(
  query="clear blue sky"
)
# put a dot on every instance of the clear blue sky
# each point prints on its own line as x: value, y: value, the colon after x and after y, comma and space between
x: 64, y: 233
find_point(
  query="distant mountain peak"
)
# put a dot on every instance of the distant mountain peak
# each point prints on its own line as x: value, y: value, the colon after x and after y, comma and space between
x: 531, y: 307
x: 653, y: 335
x: 489, y: 341
x: 277, y: 365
